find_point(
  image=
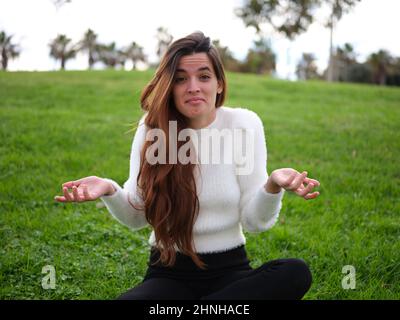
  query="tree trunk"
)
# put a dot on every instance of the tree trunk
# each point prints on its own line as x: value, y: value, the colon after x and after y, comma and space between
x: 288, y: 60
x: 91, y: 61
x: 382, y: 75
x: 4, y: 60
x: 330, y: 63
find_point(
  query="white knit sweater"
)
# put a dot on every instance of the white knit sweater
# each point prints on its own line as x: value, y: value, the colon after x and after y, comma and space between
x: 229, y: 202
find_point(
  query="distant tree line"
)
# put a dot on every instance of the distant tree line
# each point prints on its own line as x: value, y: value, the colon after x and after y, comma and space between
x: 260, y: 59
x: 293, y: 17
x: 62, y: 49
x: 379, y: 68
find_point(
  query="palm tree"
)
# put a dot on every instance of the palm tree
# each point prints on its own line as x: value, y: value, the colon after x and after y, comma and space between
x: 89, y: 44
x: 228, y: 60
x: 62, y: 49
x: 338, y: 9
x: 135, y: 53
x: 307, y: 69
x: 342, y: 61
x: 164, y: 39
x: 8, y: 50
x: 110, y: 55
x: 380, y: 63
x: 260, y: 59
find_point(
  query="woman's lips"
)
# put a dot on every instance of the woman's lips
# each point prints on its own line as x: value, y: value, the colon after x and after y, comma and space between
x: 195, y: 100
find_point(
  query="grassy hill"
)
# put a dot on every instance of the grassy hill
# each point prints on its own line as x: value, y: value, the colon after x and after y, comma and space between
x: 59, y: 126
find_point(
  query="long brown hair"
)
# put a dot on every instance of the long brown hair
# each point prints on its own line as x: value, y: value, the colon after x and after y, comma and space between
x: 169, y: 190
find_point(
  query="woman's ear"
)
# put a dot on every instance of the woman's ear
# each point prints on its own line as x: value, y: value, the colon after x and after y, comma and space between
x: 220, y: 88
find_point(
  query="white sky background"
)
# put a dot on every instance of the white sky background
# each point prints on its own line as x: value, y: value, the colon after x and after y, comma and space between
x: 372, y: 25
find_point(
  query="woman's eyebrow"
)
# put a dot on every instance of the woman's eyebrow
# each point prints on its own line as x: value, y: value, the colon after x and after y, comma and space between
x: 200, y: 69
x: 204, y: 69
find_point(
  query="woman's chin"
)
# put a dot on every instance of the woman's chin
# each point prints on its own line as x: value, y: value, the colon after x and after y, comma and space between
x: 195, y: 111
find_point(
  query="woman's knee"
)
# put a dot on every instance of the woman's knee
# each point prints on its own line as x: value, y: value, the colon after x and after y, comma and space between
x: 292, y: 277
x: 299, y: 271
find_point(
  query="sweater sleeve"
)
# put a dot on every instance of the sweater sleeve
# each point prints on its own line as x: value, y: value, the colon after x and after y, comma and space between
x: 259, y: 209
x: 118, y: 204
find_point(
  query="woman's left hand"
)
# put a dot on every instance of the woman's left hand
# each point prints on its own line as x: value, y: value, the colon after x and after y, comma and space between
x: 292, y: 180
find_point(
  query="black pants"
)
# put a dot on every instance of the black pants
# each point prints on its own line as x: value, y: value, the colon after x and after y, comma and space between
x: 228, y: 276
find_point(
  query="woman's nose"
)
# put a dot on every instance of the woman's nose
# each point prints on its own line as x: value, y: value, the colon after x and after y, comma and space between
x: 193, y: 86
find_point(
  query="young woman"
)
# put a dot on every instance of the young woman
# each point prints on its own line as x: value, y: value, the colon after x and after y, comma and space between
x: 197, y: 209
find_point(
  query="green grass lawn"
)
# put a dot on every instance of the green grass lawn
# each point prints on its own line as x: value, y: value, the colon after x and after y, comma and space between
x: 59, y: 126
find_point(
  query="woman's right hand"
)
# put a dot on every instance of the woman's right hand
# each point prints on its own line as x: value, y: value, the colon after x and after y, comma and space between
x: 85, y: 189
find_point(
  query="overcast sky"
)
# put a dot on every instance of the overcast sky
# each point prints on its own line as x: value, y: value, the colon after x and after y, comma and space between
x: 372, y: 25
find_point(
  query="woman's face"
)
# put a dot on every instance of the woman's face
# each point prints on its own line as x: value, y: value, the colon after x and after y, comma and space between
x: 195, y: 89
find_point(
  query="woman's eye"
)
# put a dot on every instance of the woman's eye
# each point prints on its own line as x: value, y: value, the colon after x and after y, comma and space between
x: 204, y: 77
x: 179, y: 79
